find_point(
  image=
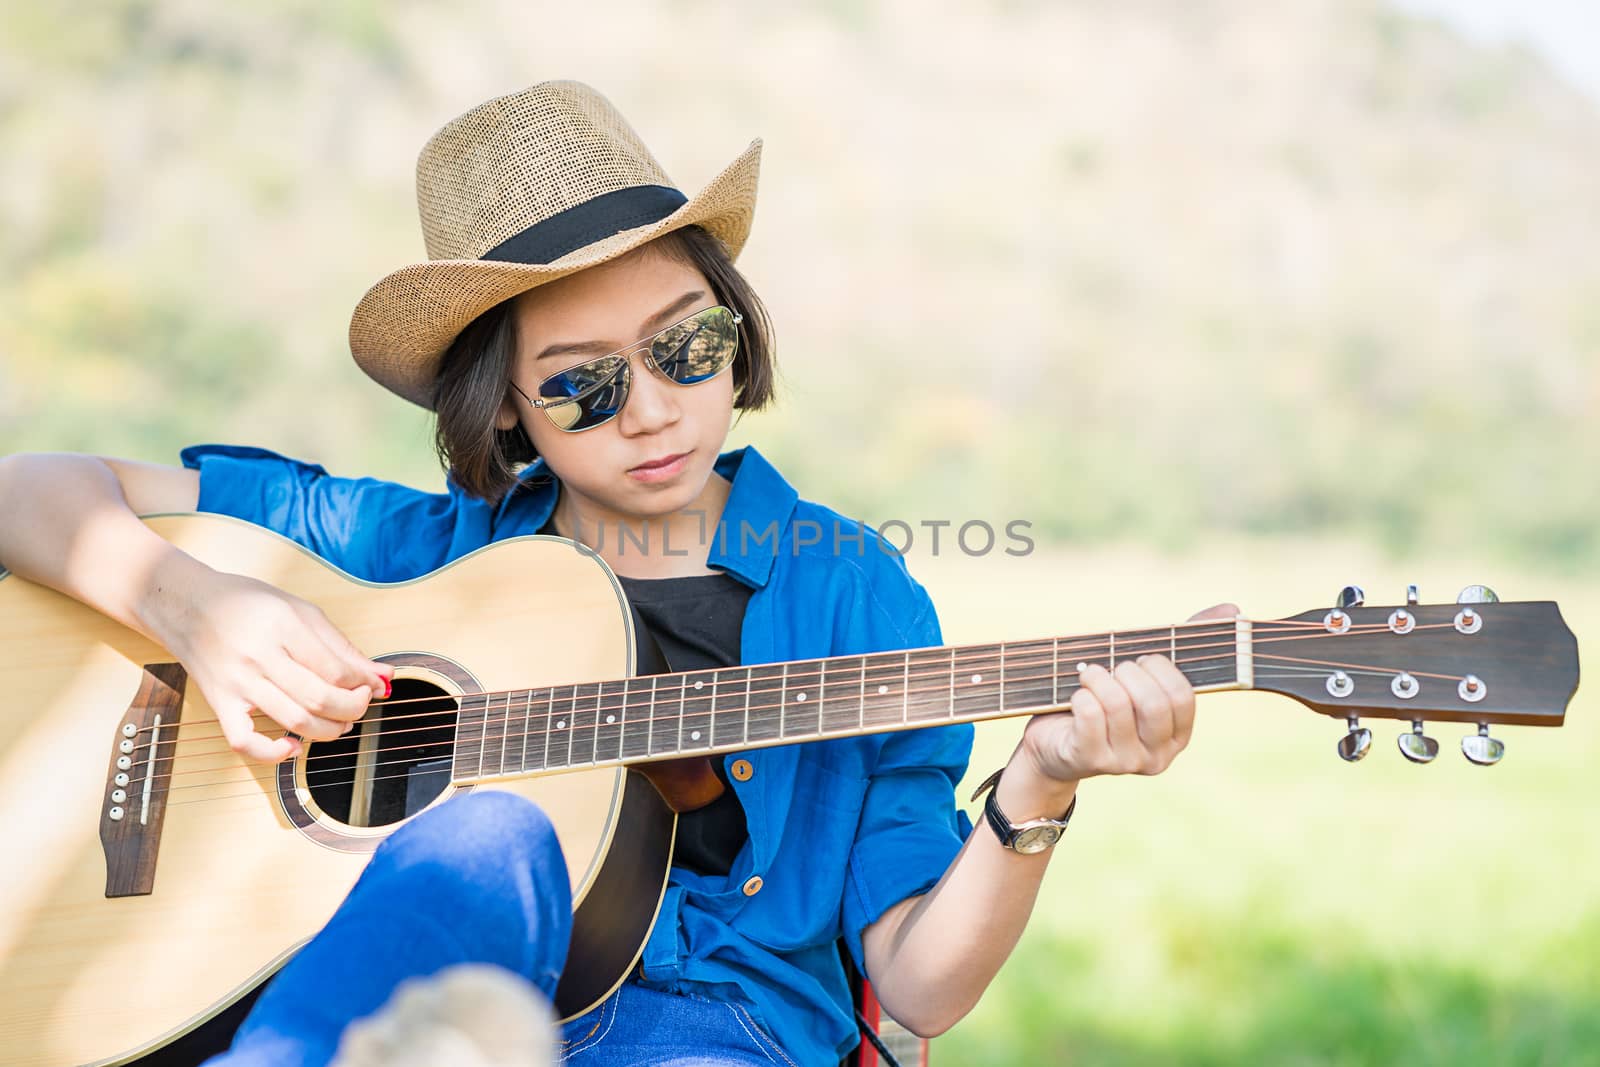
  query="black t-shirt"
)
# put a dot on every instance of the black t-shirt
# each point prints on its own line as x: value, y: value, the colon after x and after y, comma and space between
x: 696, y: 622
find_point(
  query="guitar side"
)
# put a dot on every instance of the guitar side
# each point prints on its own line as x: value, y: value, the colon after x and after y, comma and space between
x: 87, y: 977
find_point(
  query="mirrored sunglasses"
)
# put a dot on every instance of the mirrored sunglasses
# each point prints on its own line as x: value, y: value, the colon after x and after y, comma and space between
x: 689, y: 352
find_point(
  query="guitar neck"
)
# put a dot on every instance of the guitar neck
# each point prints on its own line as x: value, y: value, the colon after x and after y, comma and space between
x: 667, y: 716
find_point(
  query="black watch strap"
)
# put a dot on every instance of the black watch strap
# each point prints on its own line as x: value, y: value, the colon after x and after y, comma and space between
x: 1035, y: 835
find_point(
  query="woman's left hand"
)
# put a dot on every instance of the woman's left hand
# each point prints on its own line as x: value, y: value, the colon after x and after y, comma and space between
x: 1134, y: 720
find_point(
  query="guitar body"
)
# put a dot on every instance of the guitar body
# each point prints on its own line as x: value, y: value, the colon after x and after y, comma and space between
x: 110, y: 949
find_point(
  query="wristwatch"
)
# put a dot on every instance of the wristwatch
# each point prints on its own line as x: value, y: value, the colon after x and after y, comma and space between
x: 1027, y: 838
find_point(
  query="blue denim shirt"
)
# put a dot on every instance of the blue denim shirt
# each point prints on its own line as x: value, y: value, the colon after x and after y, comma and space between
x: 840, y: 830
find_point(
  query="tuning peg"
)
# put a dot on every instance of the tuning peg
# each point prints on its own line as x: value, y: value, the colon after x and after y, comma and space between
x: 1357, y: 743
x: 1477, y: 594
x: 1482, y: 749
x: 1417, y: 746
x: 1411, y: 594
x: 1351, y: 596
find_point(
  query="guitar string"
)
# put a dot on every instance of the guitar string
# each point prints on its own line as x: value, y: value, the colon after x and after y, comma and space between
x: 924, y: 658
x: 348, y: 773
x: 546, y: 734
x: 267, y: 780
x: 679, y: 716
x: 1085, y: 648
x: 577, y: 728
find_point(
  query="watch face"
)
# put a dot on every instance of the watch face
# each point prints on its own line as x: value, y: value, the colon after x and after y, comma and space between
x: 1036, y: 839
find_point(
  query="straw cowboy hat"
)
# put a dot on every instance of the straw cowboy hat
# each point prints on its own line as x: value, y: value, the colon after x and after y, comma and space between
x: 518, y: 192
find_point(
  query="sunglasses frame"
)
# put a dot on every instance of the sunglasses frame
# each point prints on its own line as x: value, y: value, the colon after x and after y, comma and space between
x: 627, y: 371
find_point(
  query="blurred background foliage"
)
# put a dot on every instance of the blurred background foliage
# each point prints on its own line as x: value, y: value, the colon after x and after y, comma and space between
x: 1155, y: 269
x: 1266, y: 295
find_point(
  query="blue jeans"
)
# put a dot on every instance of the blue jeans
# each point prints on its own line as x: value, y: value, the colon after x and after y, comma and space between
x: 478, y: 879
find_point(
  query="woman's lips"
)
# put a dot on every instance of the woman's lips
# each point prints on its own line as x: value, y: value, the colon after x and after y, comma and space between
x: 659, y: 470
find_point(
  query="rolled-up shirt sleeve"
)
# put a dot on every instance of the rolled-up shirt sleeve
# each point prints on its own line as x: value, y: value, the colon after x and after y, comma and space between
x: 910, y: 829
x: 374, y: 530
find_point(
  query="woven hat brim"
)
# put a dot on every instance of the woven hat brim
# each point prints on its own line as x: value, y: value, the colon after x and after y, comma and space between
x: 404, y: 324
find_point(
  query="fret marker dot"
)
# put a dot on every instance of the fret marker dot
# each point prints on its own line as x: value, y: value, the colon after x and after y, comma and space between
x: 882, y: 689
x: 801, y: 698
x: 695, y: 736
x: 561, y: 724
x: 610, y: 719
x: 976, y: 678
x: 699, y: 685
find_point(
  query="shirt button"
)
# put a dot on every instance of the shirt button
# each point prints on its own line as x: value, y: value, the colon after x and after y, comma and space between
x: 742, y: 770
x: 753, y: 886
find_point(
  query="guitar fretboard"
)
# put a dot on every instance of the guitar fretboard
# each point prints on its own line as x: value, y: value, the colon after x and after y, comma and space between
x: 663, y: 716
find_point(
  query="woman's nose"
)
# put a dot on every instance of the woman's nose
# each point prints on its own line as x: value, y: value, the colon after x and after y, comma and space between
x: 652, y: 403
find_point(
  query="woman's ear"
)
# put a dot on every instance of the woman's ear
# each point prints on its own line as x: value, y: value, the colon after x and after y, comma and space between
x: 506, y: 417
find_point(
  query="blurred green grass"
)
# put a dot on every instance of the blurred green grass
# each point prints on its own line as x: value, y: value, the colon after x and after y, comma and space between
x: 1263, y: 902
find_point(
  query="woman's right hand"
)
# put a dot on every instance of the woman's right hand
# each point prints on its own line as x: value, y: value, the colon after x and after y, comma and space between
x: 250, y: 646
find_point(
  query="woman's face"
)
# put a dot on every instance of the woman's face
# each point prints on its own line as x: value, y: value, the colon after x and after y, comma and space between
x: 656, y: 455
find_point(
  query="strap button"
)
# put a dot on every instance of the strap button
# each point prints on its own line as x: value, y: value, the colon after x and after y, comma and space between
x: 742, y: 770
x: 753, y: 885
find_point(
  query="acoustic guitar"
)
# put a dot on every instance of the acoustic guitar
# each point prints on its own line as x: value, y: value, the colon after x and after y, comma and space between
x: 152, y: 877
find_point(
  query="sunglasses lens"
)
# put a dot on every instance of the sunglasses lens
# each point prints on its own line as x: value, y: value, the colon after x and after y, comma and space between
x: 700, y: 347
x: 586, y: 395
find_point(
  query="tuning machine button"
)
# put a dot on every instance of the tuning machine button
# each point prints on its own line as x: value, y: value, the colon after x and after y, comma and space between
x: 1417, y: 746
x: 1411, y: 595
x: 1351, y: 596
x: 1477, y: 594
x: 1355, y: 744
x: 1482, y: 749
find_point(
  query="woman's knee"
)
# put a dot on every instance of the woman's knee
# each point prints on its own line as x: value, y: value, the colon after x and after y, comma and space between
x: 480, y: 841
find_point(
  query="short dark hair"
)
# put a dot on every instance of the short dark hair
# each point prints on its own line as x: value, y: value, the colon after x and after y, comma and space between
x: 475, y: 374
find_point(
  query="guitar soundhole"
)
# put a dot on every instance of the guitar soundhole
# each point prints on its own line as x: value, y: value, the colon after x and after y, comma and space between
x: 393, y: 764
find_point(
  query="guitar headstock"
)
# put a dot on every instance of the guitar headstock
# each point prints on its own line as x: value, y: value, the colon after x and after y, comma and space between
x: 1477, y: 661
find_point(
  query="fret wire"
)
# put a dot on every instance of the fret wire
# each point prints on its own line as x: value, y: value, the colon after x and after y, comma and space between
x: 483, y: 731
x: 505, y: 741
x: 783, y: 696
x: 1002, y: 675
x: 650, y: 730
x: 1055, y: 670
x: 822, y: 692
x: 861, y: 699
x: 527, y: 710
x: 749, y: 675
x: 571, y: 729
x: 905, y: 692
x: 952, y: 684
x: 549, y: 717
x: 683, y: 696
x: 622, y: 720
x: 1113, y: 640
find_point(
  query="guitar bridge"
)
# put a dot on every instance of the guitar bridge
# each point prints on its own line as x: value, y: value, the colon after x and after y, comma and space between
x: 135, y: 800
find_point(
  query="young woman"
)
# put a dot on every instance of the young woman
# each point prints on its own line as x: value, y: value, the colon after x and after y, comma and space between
x: 585, y: 341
